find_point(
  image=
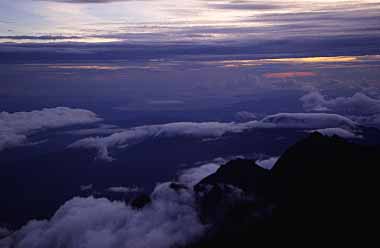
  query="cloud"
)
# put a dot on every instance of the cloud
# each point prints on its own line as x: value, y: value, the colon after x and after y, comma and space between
x: 101, y: 129
x: 4, y: 232
x: 124, y: 189
x: 16, y: 127
x: 169, y: 220
x: 202, y: 130
x: 372, y: 120
x: 88, y: 1
x: 86, y: 187
x: 343, y: 133
x: 41, y: 37
x: 358, y: 104
x: 267, y: 163
x: 193, y: 176
x: 290, y: 74
x: 309, y: 120
x: 165, y: 102
x: 141, y: 133
x: 244, y: 5
x: 245, y: 116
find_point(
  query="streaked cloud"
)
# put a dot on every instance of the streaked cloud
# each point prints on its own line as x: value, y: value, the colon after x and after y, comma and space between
x: 125, y: 190
x: 88, y: 67
x: 193, y: 22
x: 337, y: 59
x: 290, y: 74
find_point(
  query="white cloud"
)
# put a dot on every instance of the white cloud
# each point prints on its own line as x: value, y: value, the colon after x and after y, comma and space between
x: 16, y: 127
x: 358, y: 104
x: 193, y: 176
x: 171, y: 219
x: 139, y: 134
x: 309, y: 120
x: 343, y: 133
x: 267, y: 163
x: 209, y: 130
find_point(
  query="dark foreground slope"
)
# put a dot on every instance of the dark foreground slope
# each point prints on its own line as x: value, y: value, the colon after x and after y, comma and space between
x: 321, y: 189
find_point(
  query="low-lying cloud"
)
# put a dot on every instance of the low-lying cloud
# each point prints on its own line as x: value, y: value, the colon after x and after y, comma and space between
x: 170, y: 220
x: 309, y: 120
x: 340, y: 132
x: 209, y: 130
x: 16, y: 127
x: 358, y: 104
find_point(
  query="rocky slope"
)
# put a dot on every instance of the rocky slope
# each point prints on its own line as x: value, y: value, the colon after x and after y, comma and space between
x: 319, y: 188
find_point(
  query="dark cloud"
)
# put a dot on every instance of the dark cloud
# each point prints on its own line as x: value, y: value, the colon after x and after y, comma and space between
x: 42, y: 37
x: 245, y: 48
x: 243, y: 5
x: 88, y: 1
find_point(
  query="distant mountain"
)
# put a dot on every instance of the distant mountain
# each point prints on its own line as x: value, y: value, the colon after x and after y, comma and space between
x: 320, y: 187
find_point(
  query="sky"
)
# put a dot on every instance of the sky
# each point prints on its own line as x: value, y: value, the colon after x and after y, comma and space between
x: 103, y: 91
x: 148, y: 28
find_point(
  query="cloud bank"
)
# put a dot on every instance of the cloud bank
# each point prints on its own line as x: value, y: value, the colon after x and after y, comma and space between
x: 169, y: 220
x: 193, y: 176
x: 358, y: 104
x: 16, y: 127
x: 209, y: 130
x: 139, y: 134
x: 340, y: 132
x: 309, y: 120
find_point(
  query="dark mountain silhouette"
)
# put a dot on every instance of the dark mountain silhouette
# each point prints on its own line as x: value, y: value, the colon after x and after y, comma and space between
x: 320, y: 187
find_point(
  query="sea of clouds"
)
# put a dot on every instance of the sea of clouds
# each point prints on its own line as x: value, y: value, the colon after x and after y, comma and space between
x: 16, y: 127
x: 139, y: 134
x: 170, y: 219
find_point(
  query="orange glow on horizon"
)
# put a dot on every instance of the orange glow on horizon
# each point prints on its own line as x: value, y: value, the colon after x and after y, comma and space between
x: 290, y: 74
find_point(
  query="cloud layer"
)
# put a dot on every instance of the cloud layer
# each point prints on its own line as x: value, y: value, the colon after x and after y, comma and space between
x: 358, y: 104
x: 343, y: 133
x: 308, y: 120
x: 170, y: 219
x: 209, y: 130
x: 16, y: 127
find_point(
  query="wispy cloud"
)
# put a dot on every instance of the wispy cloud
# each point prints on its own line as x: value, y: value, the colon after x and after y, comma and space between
x: 290, y: 74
